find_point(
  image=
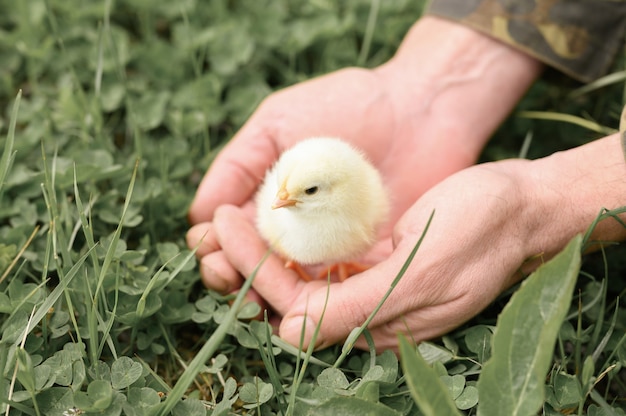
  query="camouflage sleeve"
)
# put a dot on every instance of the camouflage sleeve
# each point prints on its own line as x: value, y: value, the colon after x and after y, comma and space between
x: 578, y: 37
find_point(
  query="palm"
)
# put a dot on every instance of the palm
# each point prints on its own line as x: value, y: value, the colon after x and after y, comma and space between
x: 352, y: 104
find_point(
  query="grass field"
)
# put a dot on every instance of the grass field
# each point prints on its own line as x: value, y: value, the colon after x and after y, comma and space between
x: 113, y: 110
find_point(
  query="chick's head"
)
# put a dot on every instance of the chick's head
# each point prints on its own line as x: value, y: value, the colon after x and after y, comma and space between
x: 325, y: 176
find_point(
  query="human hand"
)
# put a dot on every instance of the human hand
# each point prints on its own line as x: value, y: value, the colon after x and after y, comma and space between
x: 429, y: 110
x: 452, y: 277
x: 418, y: 120
x: 489, y: 220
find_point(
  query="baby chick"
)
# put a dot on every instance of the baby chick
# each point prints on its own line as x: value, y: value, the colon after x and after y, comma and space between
x: 322, y: 202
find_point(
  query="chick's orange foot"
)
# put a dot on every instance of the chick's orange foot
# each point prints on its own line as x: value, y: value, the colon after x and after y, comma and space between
x: 342, y: 270
x: 290, y: 264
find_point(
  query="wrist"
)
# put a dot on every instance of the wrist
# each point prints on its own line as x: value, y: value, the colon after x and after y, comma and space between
x: 570, y: 189
x: 464, y: 83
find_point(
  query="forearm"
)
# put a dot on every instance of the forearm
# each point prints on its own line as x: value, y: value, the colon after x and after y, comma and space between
x: 466, y: 83
x: 571, y: 188
x: 578, y: 37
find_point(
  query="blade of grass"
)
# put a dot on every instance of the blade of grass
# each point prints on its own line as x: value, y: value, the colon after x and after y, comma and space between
x: 107, y: 325
x: 267, y: 356
x: 153, y: 281
x: 108, y: 258
x: 94, y: 317
x: 614, y: 78
x: 369, y: 32
x: 52, y: 298
x: 605, y: 339
x: 300, y: 371
x: 615, y: 350
x: 589, y: 304
x: 24, y: 367
x: 356, y: 332
x: 20, y: 348
x: 7, y: 154
x: 209, y: 348
x: 604, y: 214
x: 56, y: 231
x: 523, y: 153
x: 372, y: 347
x: 567, y: 118
x: 290, y: 349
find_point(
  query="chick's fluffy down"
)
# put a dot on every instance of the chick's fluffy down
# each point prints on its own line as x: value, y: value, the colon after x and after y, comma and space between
x: 339, y: 220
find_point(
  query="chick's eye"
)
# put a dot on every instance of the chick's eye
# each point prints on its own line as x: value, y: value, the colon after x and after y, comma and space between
x: 311, y: 191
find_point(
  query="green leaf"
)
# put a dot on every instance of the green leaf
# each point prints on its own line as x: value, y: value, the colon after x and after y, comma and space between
x: 512, y: 381
x: 98, y: 397
x: 56, y: 400
x: 427, y: 389
x: 189, y: 407
x: 389, y: 363
x: 455, y: 384
x: 217, y: 364
x: 255, y: 393
x: 233, y: 46
x: 25, y: 372
x: 333, y: 378
x: 478, y: 340
x: 43, y: 377
x: 348, y: 406
x: 374, y: 374
x: 124, y: 372
x: 434, y: 353
x: 249, y: 311
x: 567, y: 392
x: 230, y: 388
x: 141, y: 401
x: 467, y: 399
x: 67, y: 366
x: 587, y: 377
x: 207, y: 304
x: 148, y: 111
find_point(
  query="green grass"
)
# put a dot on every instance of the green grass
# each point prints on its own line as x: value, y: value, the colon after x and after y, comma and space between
x: 113, y: 110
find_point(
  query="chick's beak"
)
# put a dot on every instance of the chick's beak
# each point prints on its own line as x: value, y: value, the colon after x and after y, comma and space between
x: 282, y: 199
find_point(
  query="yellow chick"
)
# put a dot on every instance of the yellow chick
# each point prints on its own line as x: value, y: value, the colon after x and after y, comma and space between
x: 322, y: 202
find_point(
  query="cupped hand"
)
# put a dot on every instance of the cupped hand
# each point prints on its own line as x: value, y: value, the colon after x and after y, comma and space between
x: 473, y: 250
x: 356, y: 105
x: 353, y: 104
x: 419, y: 118
x: 492, y: 224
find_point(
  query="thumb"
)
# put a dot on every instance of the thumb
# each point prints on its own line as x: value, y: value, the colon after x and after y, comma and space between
x: 235, y: 174
x: 341, y: 307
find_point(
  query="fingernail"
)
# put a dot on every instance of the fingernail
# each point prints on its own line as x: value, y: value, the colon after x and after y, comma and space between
x: 291, y: 331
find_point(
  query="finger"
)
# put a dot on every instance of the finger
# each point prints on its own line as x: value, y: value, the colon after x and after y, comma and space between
x: 202, y: 236
x: 348, y: 304
x: 235, y: 174
x: 244, y: 250
x: 218, y: 274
